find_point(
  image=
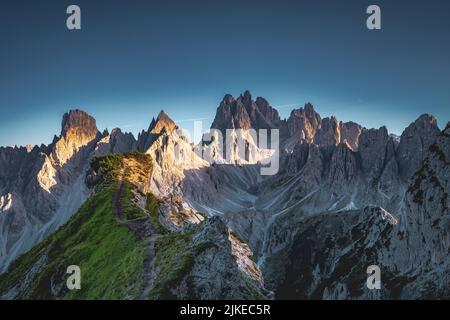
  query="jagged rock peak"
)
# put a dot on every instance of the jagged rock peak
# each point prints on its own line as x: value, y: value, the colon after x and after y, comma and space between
x: 350, y: 132
x: 244, y: 113
x: 162, y: 116
x: 163, y: 121
x: 227, y: 100
x: 309, y: 108
x: 79, y: 121
x: 329, y: 133
x: 270, y: 113
x: 424, y: 125
x: 426, y: 120
x: 246, y: 97
x: 116, y: 142
x: 78, y: 130
x: 414, y: 143
x: 162, y: 125
x: 304, y: 122
x: 447, y: 128
x: 116, y: 131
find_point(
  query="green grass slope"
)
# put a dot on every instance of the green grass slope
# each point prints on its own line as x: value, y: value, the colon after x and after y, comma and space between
x: 110, y: 255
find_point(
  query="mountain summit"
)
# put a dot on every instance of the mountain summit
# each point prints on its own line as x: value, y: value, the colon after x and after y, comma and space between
x: 244, y: 113
x: 162, y: 124
x: 78, y: 122
x: 345, y: 197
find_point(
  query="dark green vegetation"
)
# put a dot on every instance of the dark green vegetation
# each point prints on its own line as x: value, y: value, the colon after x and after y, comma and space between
x: 108, y: 166
x: 129, y: 208
x: 152, y: 207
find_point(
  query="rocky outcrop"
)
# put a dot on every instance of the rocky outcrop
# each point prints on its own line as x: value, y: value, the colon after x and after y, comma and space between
x: 349, y: 133
x: 343, y: 168
x: 414, y: 144
x: 423, y: 242
x: 236, y: 135
x: 70, y: 151
x: 329, y: 134
x: 215, y: 274
x: 162, y: 125
x: 295, y: 161
x: 232, y: 114
x: 268, y: 112
x: 244, y: 113
x: 45, y: 184
x: 345, y: 197
x: 116, y: 142
x: 304, y: 122
x: 372, y: 150
x: 327, y: 254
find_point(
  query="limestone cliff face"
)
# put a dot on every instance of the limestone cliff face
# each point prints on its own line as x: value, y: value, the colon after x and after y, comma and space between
x: 175, y: 164
x: 78, y: 136
x: 78, y: 130
x: 343, y: 168
x: 237, y: 129
x: 304, y: 122
x: 372, y: 149
x: 350, y: 133
x: 329, y: 134
x: 422, y: 243
x: 332, y: 249
x: 216, y: 273
x: 414, y: 144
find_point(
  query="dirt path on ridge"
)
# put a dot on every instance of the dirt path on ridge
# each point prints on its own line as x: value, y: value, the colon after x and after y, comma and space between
x: 143, y: 228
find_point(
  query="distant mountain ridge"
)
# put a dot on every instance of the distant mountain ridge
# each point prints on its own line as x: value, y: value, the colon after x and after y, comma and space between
x: 368, y: 186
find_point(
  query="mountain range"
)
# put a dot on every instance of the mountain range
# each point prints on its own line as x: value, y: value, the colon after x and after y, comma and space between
x: 151, y: 218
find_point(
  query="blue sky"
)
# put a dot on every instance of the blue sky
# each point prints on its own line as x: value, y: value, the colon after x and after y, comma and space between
x: 133, y: 58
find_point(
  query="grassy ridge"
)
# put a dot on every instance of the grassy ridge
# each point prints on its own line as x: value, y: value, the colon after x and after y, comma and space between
x: 110, y: 256
x: 152, y: 207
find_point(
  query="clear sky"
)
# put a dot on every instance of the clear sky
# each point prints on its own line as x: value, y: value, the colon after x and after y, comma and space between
x: 133, y: 58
